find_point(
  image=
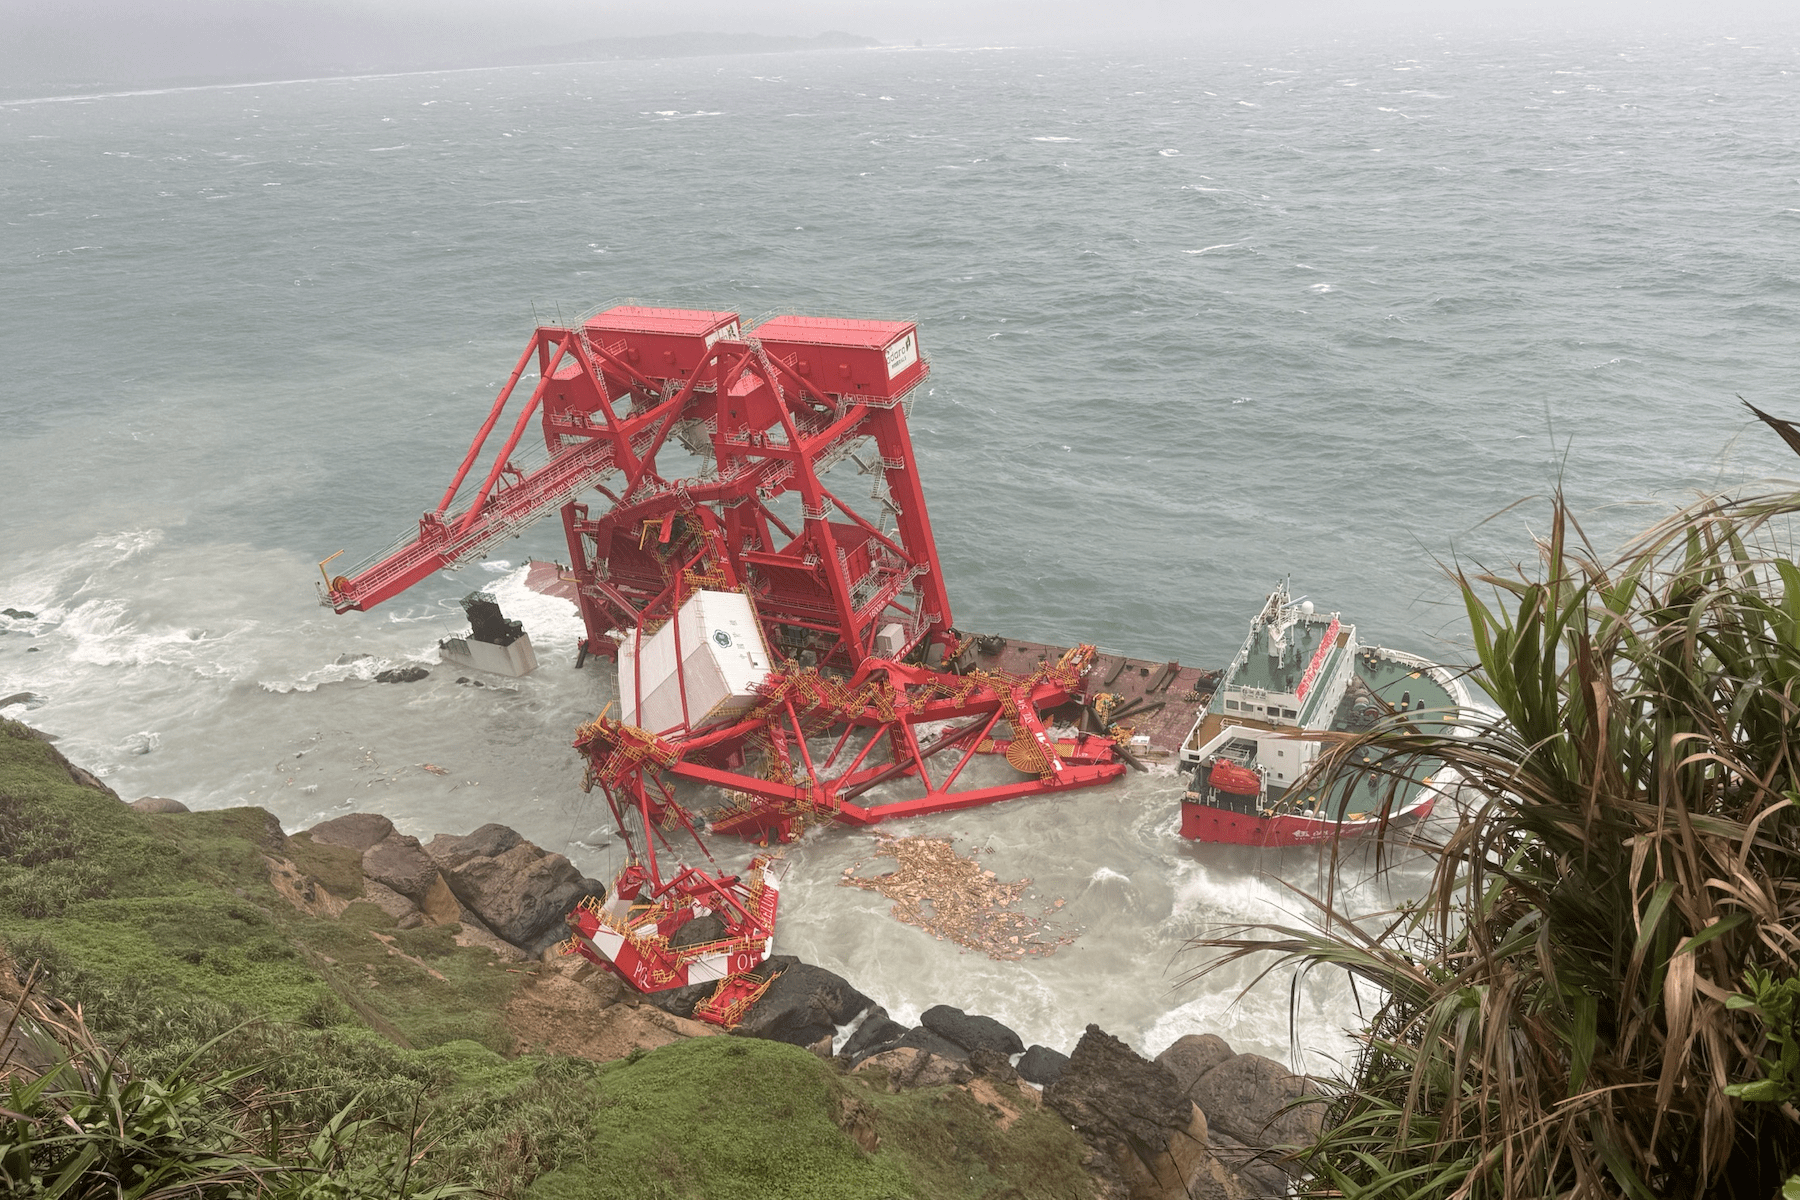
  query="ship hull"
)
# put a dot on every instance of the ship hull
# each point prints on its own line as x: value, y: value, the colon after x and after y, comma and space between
x: 1205, y: 823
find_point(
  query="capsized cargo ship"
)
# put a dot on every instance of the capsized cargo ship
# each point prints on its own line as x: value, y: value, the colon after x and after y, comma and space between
x: 1248, y: 763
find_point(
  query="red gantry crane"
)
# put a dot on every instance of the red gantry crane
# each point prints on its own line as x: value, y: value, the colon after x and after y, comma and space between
x: 772, y: 640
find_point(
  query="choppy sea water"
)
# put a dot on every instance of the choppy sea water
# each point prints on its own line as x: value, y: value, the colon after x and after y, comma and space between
x: 1198, y: 318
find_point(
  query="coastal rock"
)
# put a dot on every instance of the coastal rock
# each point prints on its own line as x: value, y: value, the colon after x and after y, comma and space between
x: 991, y: 1064
x: 1122, y: 1104
x: 473, y: 931
x: 519, y: 890
x: 398, y: 861
x: 489, y: 841
x: 440, y: 905
x: 1256, y: 1167
x: 802, y: 1005
x: 158, y: 804
x: 877, y: 1032
x: 1191, y: 1057
x: 269, y: 833
x: 681, y: 1001
x: 969, y: 1031
x: 1191, y: 1170
x: 700, y: 930
x: 401, y: 675
x: 357, y: 831
x: 1247, y: 1098
x: 909, y: 1067
x: 523, y: 894
x: 923, y: 1039
x: 1042, y: 1065
x: 406, y: 914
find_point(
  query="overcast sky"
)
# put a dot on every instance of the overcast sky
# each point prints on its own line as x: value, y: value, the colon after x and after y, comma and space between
x: 98, y: 42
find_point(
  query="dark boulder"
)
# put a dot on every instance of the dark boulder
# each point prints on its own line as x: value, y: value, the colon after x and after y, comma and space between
x: 699, y: 931
x: 398, y: 861
x: 1191, y: 1057
x: 358, y: 831
x: 519, y: 890
x: 1042, y: 1065
x: 802, y: 1005
x: 1118, y: 1100
x: 877, y: 1032
x: 401, y: 675
x: 489, y: 841
x: 971, y: 1032
x: 1252, y: 1099
x: 939, y: 1047
x: 681, y: 1001
x: 994, y: 1065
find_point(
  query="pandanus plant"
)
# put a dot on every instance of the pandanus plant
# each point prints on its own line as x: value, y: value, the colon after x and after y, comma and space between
x: 76, y: 1123
x: 1597, y: 994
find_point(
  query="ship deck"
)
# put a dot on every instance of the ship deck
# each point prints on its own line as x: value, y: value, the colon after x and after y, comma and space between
x: 1158, y: 700
x: 1390, y: 679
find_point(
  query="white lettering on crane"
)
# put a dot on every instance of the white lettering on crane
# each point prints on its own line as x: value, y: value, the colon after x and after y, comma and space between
x: 902, y: 353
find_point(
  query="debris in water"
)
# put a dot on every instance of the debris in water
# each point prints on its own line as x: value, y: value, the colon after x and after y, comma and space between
x: 434, y: 768
x: 953, y: 897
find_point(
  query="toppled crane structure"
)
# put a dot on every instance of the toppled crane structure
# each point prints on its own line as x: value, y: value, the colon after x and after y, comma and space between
x: 494, y: 644
x: 773, y: 640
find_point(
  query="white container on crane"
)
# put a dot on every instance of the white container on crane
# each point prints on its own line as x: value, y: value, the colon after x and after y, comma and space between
x: 701, y: 668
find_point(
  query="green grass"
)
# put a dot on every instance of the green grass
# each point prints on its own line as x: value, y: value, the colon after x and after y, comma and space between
x: 952, y: 1147
x: 167, y: 933
x: 338, y: 868
x: 756, y: 1118
x: 762, y: 1118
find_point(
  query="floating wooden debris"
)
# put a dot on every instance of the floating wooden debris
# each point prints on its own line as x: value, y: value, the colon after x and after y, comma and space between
x: 953, y: 897
x: 434, y: 768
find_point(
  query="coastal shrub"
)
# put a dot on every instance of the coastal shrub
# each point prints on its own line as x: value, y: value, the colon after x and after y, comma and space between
x: 1566, y: 1012
x: 508, y: 1122
x: 77, y: 1120
x: 721, y: 1116
x: 952, y: 1146
x: 729, y: 1116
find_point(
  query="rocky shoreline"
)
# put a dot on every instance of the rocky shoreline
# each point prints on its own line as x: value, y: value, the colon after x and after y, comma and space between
x: 1197, y: 1120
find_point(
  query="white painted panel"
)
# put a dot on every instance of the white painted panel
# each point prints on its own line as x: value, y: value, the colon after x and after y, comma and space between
x: 723, y: 659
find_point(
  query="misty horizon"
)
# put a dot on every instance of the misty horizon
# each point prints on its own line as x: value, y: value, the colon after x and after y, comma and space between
x: 97, y: 44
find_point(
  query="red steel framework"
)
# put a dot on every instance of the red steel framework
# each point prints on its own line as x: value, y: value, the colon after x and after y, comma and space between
x: 751, y: 420
x: 674, y: 442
